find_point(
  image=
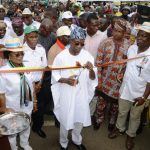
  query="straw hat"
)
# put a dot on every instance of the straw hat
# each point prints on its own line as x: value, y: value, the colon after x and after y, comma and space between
x: 26, y: 11
x: 144, y: 27
x: 13, y: 45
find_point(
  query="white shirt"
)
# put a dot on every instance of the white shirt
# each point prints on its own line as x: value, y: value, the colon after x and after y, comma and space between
x: 92, y: 43
x: 6, y: 37
x: 71, y: 103
x: 34, y: 23
x: 8, y: 23
x: 134, y: 82
x: 34, y: 58
x: 14, y: 35
x: 10, y: 86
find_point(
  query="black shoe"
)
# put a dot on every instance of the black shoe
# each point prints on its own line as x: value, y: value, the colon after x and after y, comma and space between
x: 62, y: 148
x: 111, y: 127
x: 80, y: 147
x: 96, y: 125
x: 57, y: 124
x: 40, y: 133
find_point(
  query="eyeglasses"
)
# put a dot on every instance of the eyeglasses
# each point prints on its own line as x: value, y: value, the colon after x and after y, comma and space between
x: 18, y: 54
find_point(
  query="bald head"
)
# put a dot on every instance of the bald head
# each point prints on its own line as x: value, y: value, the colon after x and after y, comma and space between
x: 47, y: 22
x: 46, y: 27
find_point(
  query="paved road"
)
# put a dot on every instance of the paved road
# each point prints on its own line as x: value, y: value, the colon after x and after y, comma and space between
x: 94, y: 140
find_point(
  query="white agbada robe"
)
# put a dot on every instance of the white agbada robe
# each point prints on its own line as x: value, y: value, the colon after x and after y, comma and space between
x: 71, y: 103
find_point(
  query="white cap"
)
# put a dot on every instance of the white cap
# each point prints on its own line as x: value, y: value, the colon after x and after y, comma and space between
x: 2, y: 7
x: 27, y: 11
x: 63, y: 30
x: 67, y: 15
x: 144, y: 27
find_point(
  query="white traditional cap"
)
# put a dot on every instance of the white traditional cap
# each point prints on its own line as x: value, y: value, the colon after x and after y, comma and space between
x: 27, y: 11
x: 67, y: 15
x: 63, y: 30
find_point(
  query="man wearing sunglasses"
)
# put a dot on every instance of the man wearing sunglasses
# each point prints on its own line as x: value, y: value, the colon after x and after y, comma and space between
x: 73, y: 89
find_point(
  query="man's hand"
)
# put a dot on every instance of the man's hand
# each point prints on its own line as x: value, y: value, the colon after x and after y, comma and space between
x: 120, y: 77
x: 89, y: 65
x: 139, y: 101
x: 37, y: 87
x: 70, y: 81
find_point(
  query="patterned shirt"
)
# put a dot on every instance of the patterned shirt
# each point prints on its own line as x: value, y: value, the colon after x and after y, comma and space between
x: 107, y: 76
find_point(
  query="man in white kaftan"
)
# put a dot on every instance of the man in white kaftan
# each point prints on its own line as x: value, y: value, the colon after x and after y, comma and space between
x: 71, y: 102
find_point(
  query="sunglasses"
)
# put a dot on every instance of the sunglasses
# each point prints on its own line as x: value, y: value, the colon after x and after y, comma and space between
x: 25, y: 17
x: 81, y: 44
x: 19, y: 54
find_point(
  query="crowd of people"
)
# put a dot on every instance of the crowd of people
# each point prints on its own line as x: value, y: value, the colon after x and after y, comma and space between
x: 109, y: 45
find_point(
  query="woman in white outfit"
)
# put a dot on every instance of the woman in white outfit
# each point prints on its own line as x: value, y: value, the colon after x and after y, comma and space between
x: 16, y: 90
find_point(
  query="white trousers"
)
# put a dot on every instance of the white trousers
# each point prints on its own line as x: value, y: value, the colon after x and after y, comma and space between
x: 76, y: 135
x: 24, y: 140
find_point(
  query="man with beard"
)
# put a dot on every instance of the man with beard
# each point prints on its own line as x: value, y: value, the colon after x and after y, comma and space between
x: 135, y: 89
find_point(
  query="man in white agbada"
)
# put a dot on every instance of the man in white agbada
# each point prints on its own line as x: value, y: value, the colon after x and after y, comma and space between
x: 73, y: 89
